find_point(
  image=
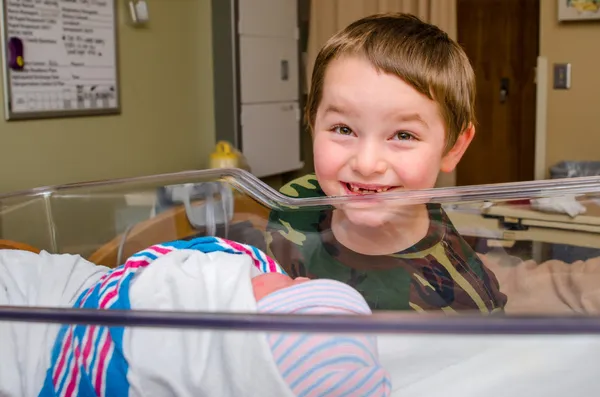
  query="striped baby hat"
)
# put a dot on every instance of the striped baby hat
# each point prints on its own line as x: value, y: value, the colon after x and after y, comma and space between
x: 325, y: 364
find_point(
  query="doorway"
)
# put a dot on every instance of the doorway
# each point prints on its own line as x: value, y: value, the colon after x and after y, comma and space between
x: 501, y: 38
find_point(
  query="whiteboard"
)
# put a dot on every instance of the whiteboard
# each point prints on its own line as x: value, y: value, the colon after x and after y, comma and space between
x: 69, y: 54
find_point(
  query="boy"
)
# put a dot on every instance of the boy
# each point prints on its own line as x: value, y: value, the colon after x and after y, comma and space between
x: 391, y: 105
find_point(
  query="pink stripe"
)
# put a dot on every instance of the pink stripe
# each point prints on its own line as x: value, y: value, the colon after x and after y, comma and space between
x: 242, y: 248
x: 101, y: 362
x: 108, y: 295
x: 88, y: 338
x: 63, y: 356
x: 319, y: 390
x: 102, y: 280
x: 136, y: 264
x: 347, y: 364
x: 284, y: 345
x: 299, y: 353
x: 302, y: 296
x: 272, y: 265
x: 373, y: 380
x: 71, y: 387
x: 160, y: 250
x: 111, y: 276
x: 238, y: 247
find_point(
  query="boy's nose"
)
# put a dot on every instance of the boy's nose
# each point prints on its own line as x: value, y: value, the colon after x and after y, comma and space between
x: 369, y: 161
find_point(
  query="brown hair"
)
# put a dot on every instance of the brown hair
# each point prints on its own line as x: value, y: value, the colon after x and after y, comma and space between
x: 419, y: 53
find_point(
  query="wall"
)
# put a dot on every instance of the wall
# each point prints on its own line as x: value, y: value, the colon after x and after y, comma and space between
x: 166, y: 123
x: 573, y: 127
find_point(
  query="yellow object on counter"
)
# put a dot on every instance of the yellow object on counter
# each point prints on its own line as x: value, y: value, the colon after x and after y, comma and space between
x: 226, y: 156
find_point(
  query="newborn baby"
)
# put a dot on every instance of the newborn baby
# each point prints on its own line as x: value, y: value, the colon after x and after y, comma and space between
x: 206, y: 274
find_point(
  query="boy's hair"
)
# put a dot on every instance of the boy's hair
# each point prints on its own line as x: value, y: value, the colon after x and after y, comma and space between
x: 421, y: 54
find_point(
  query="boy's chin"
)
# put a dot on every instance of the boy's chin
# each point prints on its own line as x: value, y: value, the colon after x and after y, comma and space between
x: 367, y: 218
x: 377, y: 216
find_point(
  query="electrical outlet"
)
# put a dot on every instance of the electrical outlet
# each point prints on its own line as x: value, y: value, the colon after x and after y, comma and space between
x: 562, y: 76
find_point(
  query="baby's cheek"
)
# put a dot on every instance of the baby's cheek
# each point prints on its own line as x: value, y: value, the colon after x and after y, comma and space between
x: 268, y: 283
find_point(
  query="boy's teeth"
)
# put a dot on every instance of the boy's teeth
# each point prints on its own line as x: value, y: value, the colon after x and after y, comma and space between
x: 357, y: 189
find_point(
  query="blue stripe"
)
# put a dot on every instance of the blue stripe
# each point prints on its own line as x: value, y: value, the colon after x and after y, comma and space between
x: 263, y: 262
x: 279, y: 340
x: 108, y: 285
x: 322, y: 365
x: 384, y: 382
x: 294, y: 297
x: 323, y: 379
x: 336, y: 340
x: 149, y: 254
x: 331, y: 361
x: 96, y: 347
x: 361, y: 383
x: 290, y: 349
x: 67, y: 370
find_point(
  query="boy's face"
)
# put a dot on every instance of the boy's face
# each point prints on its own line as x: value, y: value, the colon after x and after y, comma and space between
x: 373, y: 133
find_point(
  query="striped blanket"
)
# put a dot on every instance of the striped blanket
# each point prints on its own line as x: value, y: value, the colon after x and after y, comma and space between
x: 89, y: 360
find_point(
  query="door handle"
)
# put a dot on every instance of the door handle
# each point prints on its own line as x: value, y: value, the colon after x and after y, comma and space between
x: 284, y: 70
x: 504, y: 82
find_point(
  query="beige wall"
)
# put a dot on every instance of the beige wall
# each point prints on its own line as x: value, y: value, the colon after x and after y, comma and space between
x: 573, y: 116
x: 166, y: 123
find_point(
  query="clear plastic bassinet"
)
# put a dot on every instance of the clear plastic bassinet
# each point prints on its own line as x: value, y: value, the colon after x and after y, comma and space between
x: 540, y: 239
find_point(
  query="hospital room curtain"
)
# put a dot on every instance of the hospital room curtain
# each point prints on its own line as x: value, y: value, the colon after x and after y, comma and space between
x: 329, y: 16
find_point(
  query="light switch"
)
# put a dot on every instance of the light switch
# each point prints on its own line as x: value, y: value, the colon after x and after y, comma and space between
x: 562, y: 76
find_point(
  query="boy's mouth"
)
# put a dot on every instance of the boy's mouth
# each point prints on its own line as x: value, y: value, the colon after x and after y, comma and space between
x: 361, y: 188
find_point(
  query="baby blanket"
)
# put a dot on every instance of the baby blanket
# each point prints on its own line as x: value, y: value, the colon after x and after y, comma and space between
x: 185, y: 275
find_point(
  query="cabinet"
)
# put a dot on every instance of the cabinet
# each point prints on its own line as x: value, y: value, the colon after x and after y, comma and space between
x: 268, y: 18
x: 268, y: 69
x: 256, y: 81
x: 265, y: 133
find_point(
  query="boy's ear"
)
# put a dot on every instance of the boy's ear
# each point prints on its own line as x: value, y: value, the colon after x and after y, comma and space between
x: 453, y: 156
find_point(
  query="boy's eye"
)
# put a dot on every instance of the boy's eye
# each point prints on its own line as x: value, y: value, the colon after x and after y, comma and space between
x: 342, y: 130
x: 403, y: 136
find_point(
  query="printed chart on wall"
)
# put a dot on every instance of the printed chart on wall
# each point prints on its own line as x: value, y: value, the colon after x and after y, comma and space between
x: 60, y: 58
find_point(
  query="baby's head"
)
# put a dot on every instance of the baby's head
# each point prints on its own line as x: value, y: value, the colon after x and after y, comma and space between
x: 321, y: 364
x: 391, y: 104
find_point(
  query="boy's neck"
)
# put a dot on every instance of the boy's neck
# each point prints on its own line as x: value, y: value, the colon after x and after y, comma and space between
x: 383, y: 240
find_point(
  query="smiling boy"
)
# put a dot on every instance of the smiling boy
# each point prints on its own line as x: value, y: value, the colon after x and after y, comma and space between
x: 390, y: 107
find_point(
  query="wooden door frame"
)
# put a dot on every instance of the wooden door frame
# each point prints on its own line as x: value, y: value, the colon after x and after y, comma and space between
x: 541, y: 119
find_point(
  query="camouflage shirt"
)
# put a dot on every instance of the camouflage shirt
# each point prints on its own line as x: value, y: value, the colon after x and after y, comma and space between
x: 440, y: 272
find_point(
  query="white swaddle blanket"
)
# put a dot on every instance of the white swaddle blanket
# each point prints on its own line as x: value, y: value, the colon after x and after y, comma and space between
x: 204, y: 363
x: 44, y: 280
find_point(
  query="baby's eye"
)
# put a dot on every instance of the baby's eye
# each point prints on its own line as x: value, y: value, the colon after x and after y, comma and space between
x: 403, y: 136
x: 342, y: 130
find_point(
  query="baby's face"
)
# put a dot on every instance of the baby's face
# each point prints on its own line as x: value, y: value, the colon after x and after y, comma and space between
x: 268, y: 283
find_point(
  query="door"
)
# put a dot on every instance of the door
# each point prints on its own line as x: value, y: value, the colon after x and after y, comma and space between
x: 500, y: 38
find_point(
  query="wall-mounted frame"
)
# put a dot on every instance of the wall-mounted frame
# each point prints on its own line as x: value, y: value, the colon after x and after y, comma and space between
x: 69, y: 64
x: 578, y: 10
